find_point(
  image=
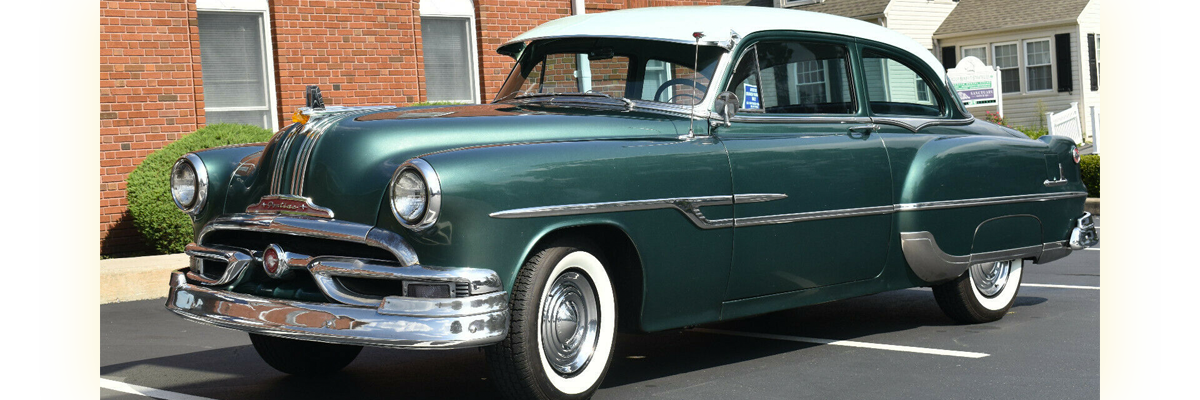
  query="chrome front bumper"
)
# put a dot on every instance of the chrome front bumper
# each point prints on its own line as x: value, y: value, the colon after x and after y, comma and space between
x: 473, y: 311
x: 397, y: 322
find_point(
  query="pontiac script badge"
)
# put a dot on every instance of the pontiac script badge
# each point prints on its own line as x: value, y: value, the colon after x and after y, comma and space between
x: 290, y: 205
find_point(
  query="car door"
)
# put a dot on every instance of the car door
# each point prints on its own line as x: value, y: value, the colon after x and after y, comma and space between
x: 801, y: 132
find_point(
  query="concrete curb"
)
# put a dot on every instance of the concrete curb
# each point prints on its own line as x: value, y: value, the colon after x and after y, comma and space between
x: 137, y: 278
x: 1092, y: 205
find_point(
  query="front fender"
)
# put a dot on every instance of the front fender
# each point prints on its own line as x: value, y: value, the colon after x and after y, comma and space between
x: 685, y: 267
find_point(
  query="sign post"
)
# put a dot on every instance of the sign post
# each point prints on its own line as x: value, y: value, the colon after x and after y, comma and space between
x: 977, y: 84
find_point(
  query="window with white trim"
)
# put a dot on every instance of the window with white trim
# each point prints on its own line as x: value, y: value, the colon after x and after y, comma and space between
x: 449, y: 50
x: 1038, y: 69
x: 237, y: 71
x: 1007, y: 60
x: 979, y: 52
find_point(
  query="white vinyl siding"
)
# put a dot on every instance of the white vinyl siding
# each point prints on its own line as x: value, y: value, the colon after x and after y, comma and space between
x: 917, y: 19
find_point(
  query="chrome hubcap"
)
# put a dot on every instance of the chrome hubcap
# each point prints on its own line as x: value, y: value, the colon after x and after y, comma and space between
x: 569, y: 323
x: 990, y: 278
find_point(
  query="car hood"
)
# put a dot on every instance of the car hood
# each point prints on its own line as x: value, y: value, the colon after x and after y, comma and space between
x: 344, y: 162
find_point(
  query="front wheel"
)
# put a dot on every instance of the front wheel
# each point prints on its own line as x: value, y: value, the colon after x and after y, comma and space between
x: 563, y: 323
x: 984, y: 293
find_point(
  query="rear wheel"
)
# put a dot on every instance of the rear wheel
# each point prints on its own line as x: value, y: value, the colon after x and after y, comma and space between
x: 562, y: 328
x: 300, y: 357
x: 983, y: 293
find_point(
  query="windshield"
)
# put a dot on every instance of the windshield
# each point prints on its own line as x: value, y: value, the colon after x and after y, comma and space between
x: 618, y: 68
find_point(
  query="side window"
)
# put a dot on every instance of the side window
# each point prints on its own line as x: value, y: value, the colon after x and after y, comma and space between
x: 795, y: 78
x: 895, y: 89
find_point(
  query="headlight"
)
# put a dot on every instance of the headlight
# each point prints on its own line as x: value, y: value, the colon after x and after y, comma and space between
x: 416, y: 195
x: 189, y: 184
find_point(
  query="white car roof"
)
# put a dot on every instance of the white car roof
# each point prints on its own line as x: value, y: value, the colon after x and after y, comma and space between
x: 676, y: 24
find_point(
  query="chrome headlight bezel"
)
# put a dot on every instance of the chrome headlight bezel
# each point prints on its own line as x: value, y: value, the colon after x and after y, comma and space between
x: 433, y: 195
x: 200, y: 192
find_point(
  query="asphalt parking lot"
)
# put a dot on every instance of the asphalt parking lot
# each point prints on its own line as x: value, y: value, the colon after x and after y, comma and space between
x: 895, y: 345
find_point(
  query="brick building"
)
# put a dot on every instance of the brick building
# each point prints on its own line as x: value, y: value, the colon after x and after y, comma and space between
x: 168, y: 67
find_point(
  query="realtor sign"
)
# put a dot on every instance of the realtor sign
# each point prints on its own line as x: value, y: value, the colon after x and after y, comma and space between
x: 976, y: 83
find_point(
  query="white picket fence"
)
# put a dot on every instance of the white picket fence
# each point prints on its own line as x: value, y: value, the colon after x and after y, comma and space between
x: 1095, y: 129
x: 1066, y: 123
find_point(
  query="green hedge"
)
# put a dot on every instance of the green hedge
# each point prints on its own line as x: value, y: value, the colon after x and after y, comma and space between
x: 1033, y: 133
x: 1089, y: 167
x: 148, y: 189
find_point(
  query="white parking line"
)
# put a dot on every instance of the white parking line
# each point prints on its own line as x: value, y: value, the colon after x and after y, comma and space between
x: 1061, y: 286
x: 146, y: 391
x: 850, y: 343
x: 1093, y: 248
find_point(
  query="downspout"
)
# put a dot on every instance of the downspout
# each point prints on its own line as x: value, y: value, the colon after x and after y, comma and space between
x: 583, y: 70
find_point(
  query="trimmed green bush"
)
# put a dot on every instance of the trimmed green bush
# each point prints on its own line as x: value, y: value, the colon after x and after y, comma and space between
x: 1033, y: 133
x: 148, y: 189
x: 1089, y: 167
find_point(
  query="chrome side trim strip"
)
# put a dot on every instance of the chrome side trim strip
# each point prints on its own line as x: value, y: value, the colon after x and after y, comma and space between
x: 690, y: 207
x: 933, y: 265
x: 984, y: 201
x: 811, y: 216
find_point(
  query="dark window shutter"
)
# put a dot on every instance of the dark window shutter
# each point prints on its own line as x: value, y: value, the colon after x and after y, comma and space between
x: 1092, y: 72
x: 949, y: 57
x: 1062, y: 56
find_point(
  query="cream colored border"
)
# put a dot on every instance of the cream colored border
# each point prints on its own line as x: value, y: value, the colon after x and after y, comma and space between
x: 69, y: 236
x: 69, y: 202
x: 1131, y: 264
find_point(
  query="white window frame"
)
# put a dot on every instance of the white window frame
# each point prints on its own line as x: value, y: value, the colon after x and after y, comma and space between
x: 821, y: 72
x: 251, y: 7
x: 963, y: 52
x: 457, y: 9
x: 1025, y: 64
x: 1020, y: 79
x: 793, y: 3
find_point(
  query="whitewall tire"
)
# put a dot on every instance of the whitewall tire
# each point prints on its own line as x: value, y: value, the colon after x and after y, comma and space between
x: 562, y: 329
x: 983, y: 293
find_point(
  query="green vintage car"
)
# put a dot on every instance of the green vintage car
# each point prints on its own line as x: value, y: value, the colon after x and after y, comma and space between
x: 639, y: 170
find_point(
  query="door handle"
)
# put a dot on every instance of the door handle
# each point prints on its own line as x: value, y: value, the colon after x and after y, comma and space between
x: 862, y: 131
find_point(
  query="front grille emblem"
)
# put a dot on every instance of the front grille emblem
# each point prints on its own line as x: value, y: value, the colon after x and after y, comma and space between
x: 275, y: 262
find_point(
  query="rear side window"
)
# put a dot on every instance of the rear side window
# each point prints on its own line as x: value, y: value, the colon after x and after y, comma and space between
x: 794, y: 78
x: 894, y: 88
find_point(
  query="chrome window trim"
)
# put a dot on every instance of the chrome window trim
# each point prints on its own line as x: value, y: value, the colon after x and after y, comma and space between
x: 433, y: 193
x: 797, y: 119
x: 201, y: 184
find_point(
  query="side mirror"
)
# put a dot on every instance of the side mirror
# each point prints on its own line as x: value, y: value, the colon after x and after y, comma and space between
x: 727, y: 104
